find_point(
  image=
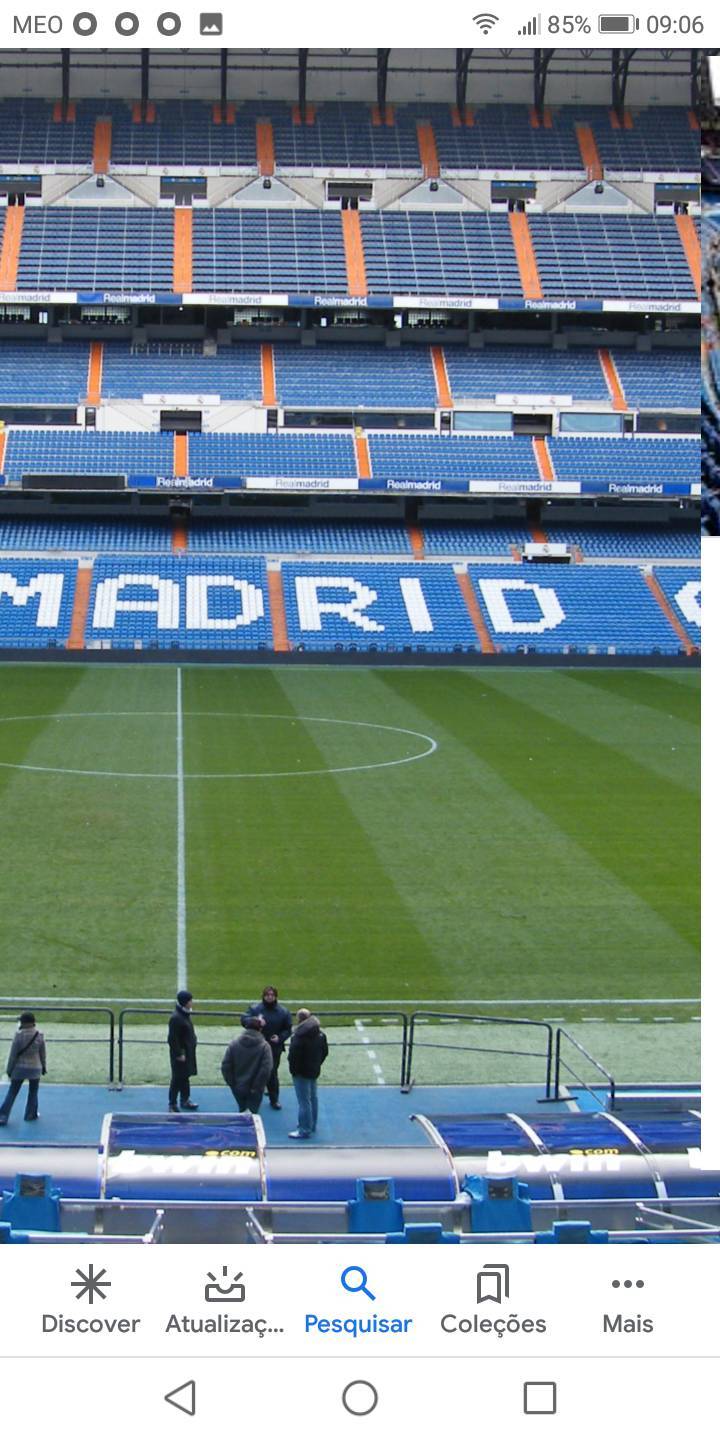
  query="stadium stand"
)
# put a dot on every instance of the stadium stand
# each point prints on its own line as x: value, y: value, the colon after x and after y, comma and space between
x: 90, y: 249
x: 659, y: 379
x: 525, y: 370
x: 281, y: 453
x: 164, y: 604
x: 36, y: 602
x: 269, y: 250
x: 357, y: 375
x: 346, y: 136
x: 86, y: 452
x: 636, y: 460
x: 33, y: 370
x: 611, y: 609
x: 611, y: 255
x: 682, y: 589
x: 172, y: 367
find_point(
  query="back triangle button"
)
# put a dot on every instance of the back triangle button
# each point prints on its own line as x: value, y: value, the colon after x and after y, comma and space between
x: 183, y: 1398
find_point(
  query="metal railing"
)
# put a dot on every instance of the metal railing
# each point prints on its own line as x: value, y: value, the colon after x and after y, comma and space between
x: 560, y: 1063
x: 92, y: 1013
x: 545, y: 1054
x: 157, y: 1012
x: 398, y: 1017
x: 552, y: 1052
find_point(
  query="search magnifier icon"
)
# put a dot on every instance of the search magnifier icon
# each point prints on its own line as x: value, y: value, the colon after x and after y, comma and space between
x: 355, y: 1279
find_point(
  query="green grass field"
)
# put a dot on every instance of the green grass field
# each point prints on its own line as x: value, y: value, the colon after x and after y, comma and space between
x: 222, y: 824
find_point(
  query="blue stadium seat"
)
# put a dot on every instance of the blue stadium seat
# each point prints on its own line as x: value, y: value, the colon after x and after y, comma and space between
x: 36, y: 602
x: 89, y: 452
x: 354, y: 376
x: 358, y: 606
x: 162, y: 603
x: 682, y: 588
x: 179, y: 367
x: 588, y: 608
x: 87, y: 248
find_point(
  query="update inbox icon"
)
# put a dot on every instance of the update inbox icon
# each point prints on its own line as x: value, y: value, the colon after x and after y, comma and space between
x: 211, y: 23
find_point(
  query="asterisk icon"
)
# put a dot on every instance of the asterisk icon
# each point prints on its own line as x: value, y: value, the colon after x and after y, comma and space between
x: 91, y: 1285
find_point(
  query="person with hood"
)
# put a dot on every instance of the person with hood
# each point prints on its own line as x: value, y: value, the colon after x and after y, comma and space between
x: 183, y: 1053
x: 277, y: 1028
x: 26, y: 1061
x: 247, y: 1065
x: 306, y: 1057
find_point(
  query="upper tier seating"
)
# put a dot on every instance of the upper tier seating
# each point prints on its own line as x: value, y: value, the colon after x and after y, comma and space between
x: 278, y: 453
x: 256, y: 251
x: 30, y: 136
x: 625, y: 458
x: 345, y: 135
x: 342, y: 376
x: 35, y: 373
x: 91, y: 249
x: 452, y: 457
x: 167, y: 367
x: 659, y: 379
x: 354, y: 375
x: 269, y: 250
x: 439, y: 254
x: 633, y: 258
x: 90, y: 452
x: 659, y: 138
x: 524, y: 370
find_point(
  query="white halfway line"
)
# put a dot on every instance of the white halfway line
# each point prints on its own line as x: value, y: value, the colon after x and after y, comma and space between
x: 182, y: 975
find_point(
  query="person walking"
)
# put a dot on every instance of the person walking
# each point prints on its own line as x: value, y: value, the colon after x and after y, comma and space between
x: 182, y: 1042
x: 306, y: 1057
x: 247, y: 1065
x: 27, y: 1061
x: 277, y: 1029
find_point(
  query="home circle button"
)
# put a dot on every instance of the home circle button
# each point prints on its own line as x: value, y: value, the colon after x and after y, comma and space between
x: 360, y: 1397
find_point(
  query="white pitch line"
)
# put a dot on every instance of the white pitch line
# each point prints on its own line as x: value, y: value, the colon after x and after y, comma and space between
x: 377, y: 1068
x: 182, y: 975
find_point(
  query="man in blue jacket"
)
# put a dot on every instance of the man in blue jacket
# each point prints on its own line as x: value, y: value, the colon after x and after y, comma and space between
x: 277, y: 1028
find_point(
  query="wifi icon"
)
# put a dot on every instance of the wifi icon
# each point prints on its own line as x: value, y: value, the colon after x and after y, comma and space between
x: 485, y: 22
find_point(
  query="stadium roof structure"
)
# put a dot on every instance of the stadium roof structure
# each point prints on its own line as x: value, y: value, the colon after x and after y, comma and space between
x: 454, y: 76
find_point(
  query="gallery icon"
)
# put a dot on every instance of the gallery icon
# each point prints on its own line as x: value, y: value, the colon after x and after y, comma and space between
x: 222, y: 1290
x: 493, y: 1283
x: 211, y: 23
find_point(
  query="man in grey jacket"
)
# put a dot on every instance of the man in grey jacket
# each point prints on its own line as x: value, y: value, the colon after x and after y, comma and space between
x: 27, y: 1061
x: 247, y: 1065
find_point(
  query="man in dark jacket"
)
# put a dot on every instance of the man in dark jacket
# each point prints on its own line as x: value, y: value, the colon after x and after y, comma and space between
x: 277, y: 1028
x: 183, y: 1053
x: 247, y: 1065
x: 306, y: 1057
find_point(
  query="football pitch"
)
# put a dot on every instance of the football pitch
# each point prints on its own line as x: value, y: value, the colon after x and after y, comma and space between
x: 526, y: 840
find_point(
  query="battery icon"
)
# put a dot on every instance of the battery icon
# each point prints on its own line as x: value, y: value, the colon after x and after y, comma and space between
x: 617, y: 24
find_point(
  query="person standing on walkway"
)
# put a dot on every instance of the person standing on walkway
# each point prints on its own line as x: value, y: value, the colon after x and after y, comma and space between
x: 27, y: 1061
x: 182, y: 1043
x: 277, y: 1029
x: 247, y: 1065
x: 306, y: 1057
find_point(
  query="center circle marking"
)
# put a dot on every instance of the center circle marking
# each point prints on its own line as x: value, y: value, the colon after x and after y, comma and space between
x: 429, y: 743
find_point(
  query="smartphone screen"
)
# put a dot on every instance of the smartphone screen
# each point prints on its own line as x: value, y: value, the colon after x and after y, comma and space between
x: 352, y: 485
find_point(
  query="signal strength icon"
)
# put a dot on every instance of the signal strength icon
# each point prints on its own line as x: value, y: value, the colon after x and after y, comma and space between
x: 485, y: 22
x: 532, y: 27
